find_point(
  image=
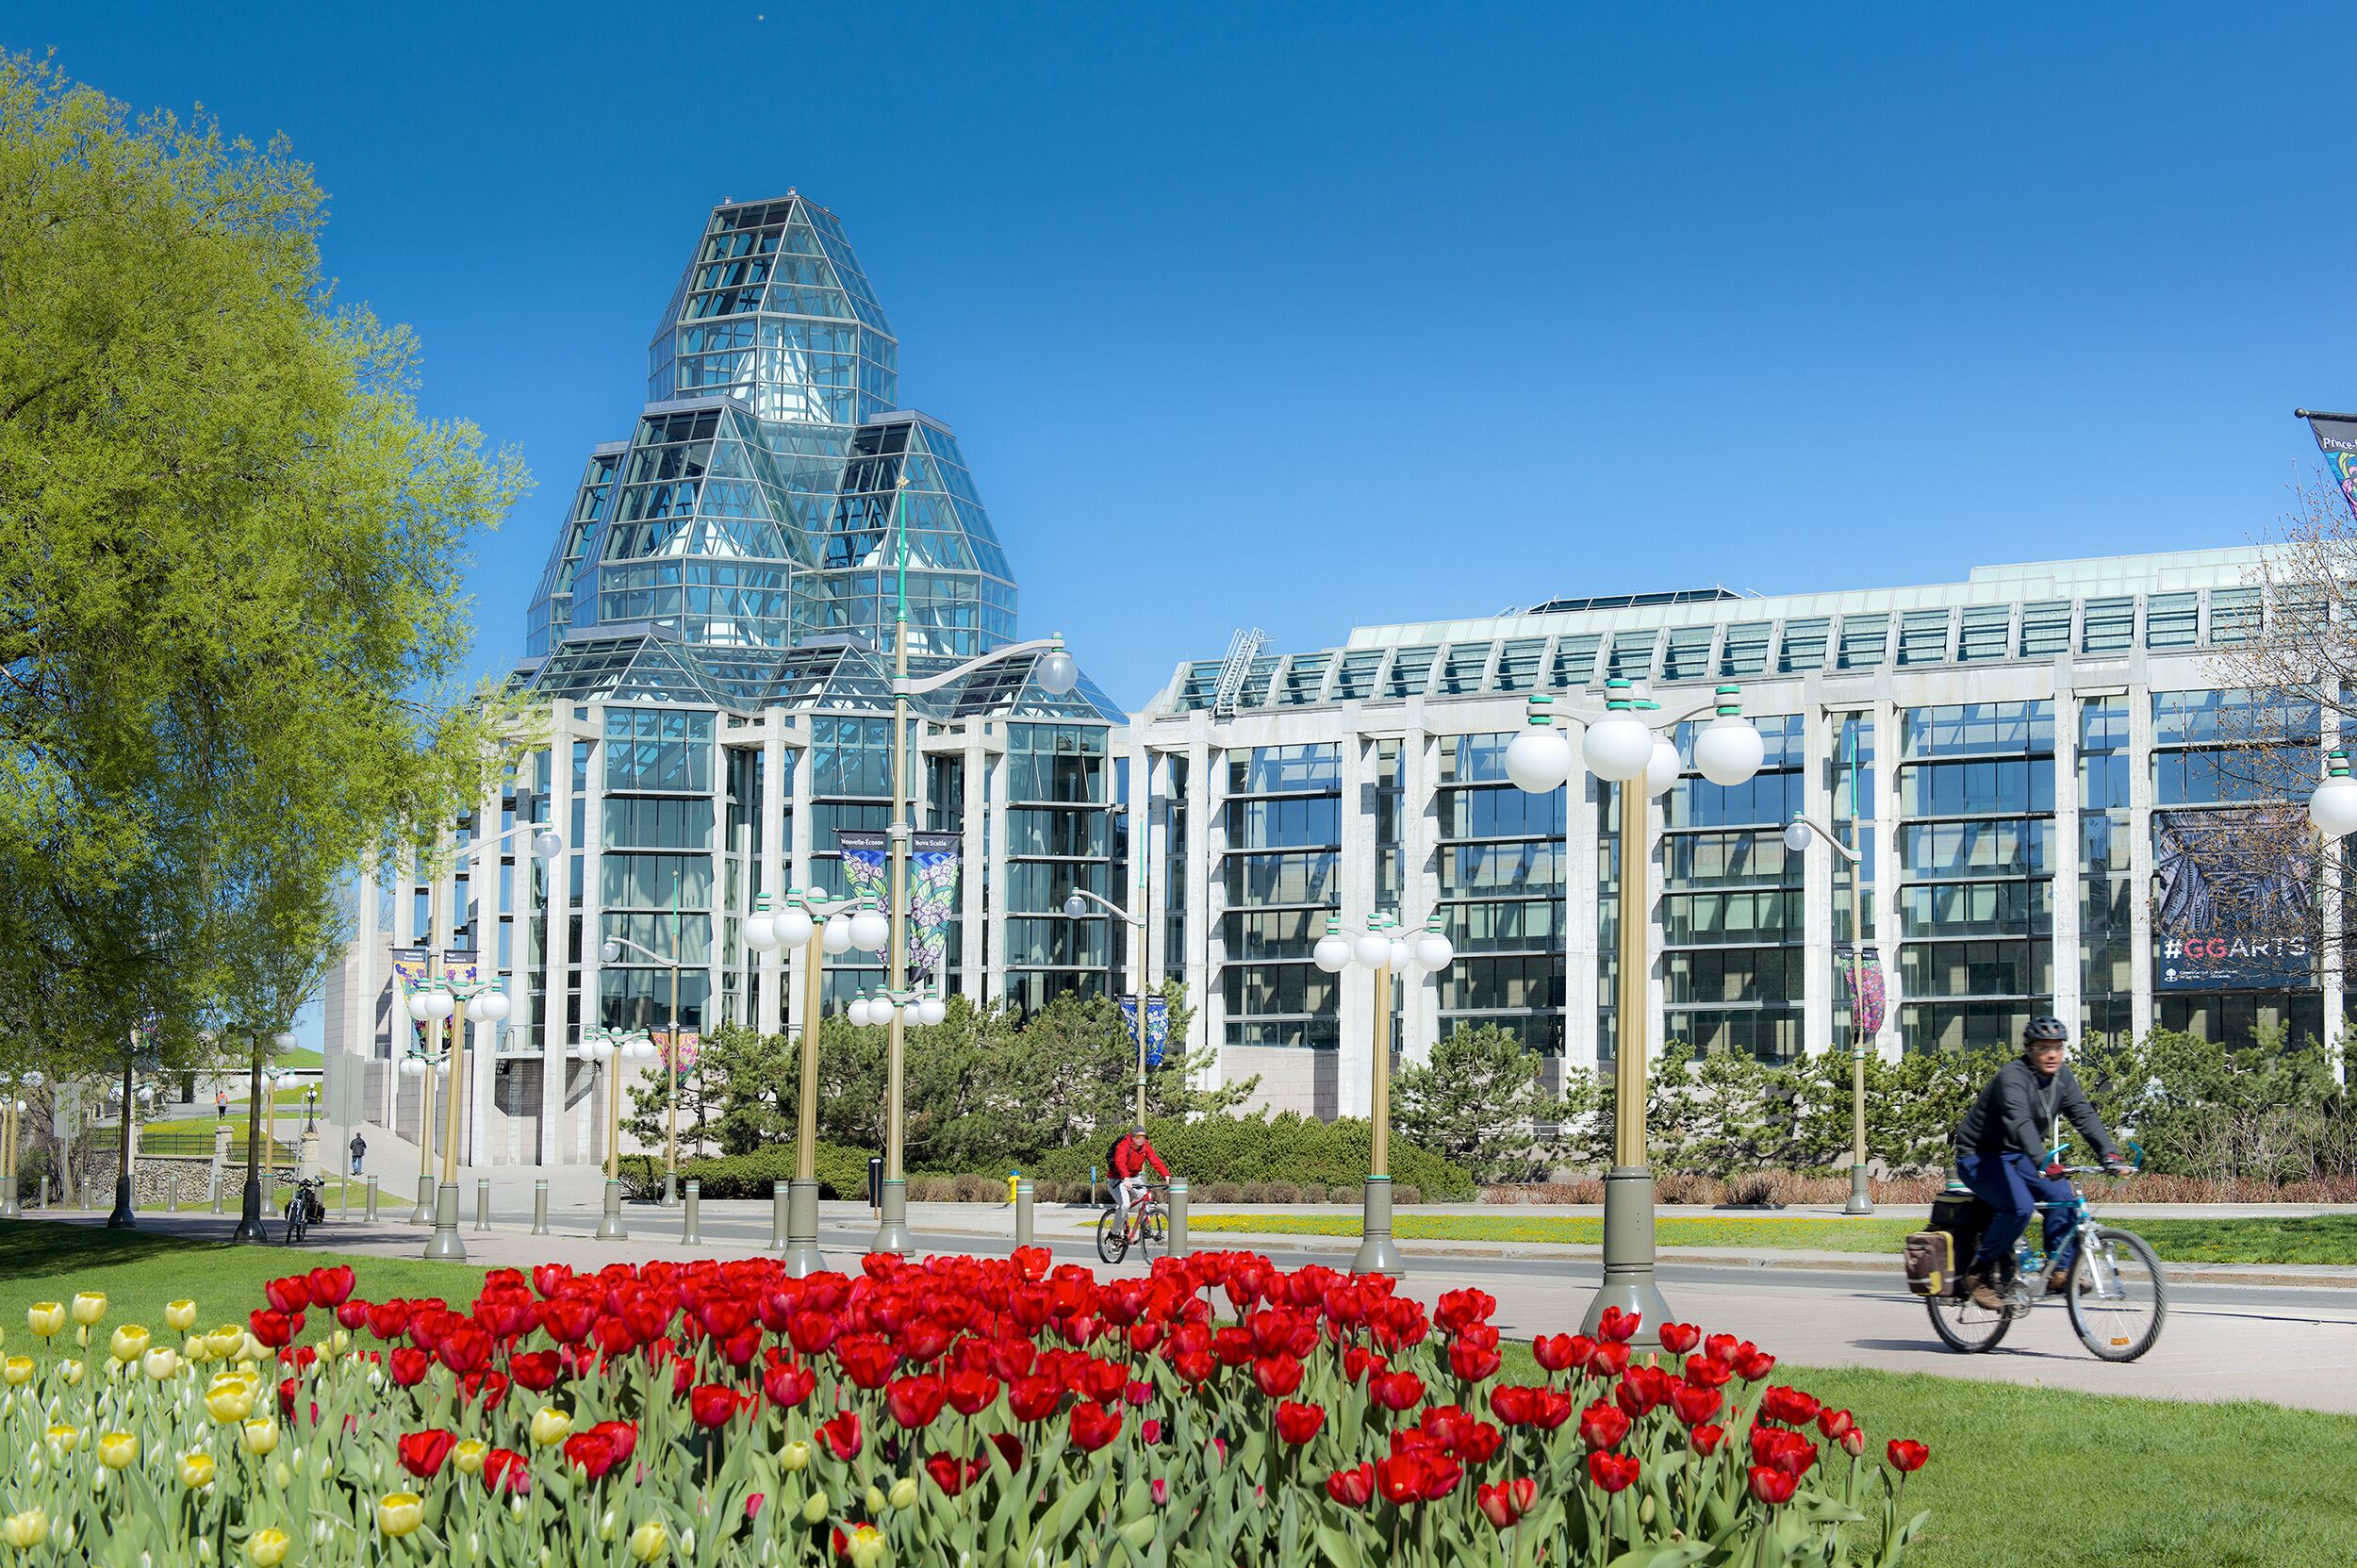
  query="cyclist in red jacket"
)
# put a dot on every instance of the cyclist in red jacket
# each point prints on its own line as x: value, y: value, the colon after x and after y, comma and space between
x: 1129, y: 1158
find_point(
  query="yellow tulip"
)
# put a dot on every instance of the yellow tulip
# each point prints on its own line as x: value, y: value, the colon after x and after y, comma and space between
x: 875, y: 1501
x: 399, y: 1512
x: 46, y: 1318
x: 903, y: 1493
x: 469, y: 1456
x: 181, y: 1314
x: 70, y: 1370
x: 267, y: 1548
x: 196, y: 1349
x: 88, y: 1307
x: 196, y: 1469
x: 814, y: 1508
x: 25, y: 1530
x: 130, y: 1343
x: 64, y: 1440
x: 550, y: 1425
x: 650, y: 1541
x: 338, y: 1342
x: 160, y: 1363
x: 794, y: 1457
x: 118, y: 1450
x: 252, y: 1350
x: 229, y: 1398
x: 17, y: 1370
x: 867, y: 1545
x: 258, y: 1437
x: 223, y: 1340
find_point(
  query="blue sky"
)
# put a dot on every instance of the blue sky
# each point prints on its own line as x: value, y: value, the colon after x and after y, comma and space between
x: 1302, y: 316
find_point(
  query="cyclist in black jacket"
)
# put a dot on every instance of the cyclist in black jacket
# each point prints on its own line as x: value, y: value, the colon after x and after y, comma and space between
x: 2002, y: 1154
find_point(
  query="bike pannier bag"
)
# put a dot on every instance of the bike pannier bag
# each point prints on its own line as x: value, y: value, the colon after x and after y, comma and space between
x: 1931, y: 1261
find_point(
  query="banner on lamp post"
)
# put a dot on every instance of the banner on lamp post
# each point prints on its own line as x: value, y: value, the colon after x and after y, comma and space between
x: 2337, y: 437
x: 933, y: 859
x: 1157, y: 1026
x: 1863, y: 988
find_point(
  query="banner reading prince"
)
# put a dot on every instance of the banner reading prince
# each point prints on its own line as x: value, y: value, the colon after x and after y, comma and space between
x: 2337, y: 437
x: 933, y: 889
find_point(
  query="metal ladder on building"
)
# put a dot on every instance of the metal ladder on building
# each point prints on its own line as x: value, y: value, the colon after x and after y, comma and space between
x: 1242, y: 650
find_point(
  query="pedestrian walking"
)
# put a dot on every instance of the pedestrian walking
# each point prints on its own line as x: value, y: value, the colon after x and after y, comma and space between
x: 359, y: 1147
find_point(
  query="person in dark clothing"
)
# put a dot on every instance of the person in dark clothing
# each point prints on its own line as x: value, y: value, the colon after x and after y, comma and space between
x: 359, y: 1147
x: 2002, y: 1153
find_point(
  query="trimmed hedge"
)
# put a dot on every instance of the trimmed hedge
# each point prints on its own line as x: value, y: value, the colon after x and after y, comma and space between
x: 1262, y: 1149
x: 842, y: 1172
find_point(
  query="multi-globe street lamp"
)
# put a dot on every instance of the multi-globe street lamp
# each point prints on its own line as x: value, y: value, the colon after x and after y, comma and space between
x: 1385, y: 948
x: 811, y: 922
x: 609, y: 1048
x: 431, y: 1003
x: 1621, y: 747
x: 12, y: 1141
x: 1055, y: 674
x: 1796, y: 839
x: 418, y: 1061
x: 609, y: 952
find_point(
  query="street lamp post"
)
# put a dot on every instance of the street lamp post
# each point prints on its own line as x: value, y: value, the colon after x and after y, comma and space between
x: 11, y: 1135
x: 1620, y: 746
x: 609, y: 1048
x: 1383, y: 948
x: 249, y: 1227
x: 1075, y: 906
x: 1056, y: 675
x: 1796, y: 838
x: 2332, y: 810
x: 452, y: 1000
x: 427, y: 1065
x: 610, y: 952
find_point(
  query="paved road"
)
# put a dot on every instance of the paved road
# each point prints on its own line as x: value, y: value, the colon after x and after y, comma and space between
x: 2290, y: 1345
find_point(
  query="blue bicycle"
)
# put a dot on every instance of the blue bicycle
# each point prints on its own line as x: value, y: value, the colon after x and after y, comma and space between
x: 2117, y: 1295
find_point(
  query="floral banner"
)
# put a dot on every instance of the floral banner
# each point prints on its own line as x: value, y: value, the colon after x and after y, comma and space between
x: 2337, y: 437
x: 1862, y: 980
x: 1157, y: 1026
x: 933, y: 889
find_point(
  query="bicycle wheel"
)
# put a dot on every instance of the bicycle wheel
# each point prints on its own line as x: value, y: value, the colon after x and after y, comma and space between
x: 1157, y: 1234
x: 1964, y: 1328
x: 2126, y: 1295
x: 1113, y: 1236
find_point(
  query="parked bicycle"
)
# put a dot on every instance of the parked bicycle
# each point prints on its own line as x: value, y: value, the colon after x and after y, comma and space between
x: 2117, y: 1293
x: 1146, y: 1226
x: 305, y: 1207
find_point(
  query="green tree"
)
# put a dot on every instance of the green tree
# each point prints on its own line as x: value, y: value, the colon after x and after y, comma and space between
x: 1479, y: 1101
x: 230, y: 569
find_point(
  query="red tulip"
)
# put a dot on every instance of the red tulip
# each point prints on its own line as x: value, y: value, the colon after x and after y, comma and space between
x: 1352, y: 1488
x: 915, y: 1401
x: 1093, y: 1426
x: 1554, y: 1352
x: 1772, y: 1486
x: 1456, y: 1308
x: 1033, y: 1397
x: 591, y: 1453
x: 1602, y: 1426
x: 1358, y: 1361
x: 1678, y: 1338
x: 713, y: 1405
x: 1693, y: 1406
x: 505, y: 1470
x: 1642, y: 1388
x: 1480, y: 1442
x: 275, y: 1328
x: 1277, y: 1376
x: 1751, y: 1368
x: 1853, y: 1442
x: 1721, y: 1348
x: 1549, y: 1409
x: 1906, y: 1456
x: 423, y: 1453
x: 407, y: 1366
x: 947, y: 1474
x: 535, y: 1369
x: 1417, y: 1477
x: 1788, y: 1406
x: 465, y: 1348
x: 866, y: 1361
x: 1612, y: 1472
x: 1297, y: 1423
x: 547, y: 1278
x: 1396, y: 1391
x: 290, y: 1294
x: 1010, y: 1448
x: 1702, y: 1372
x: 1618, y: 1326
x: 568, y: 1319
x: 620, y: 1436
x: 1502, y: 1504
x: 1836, y: 1424
x: 811, y: 1331
x: 1471, y: 1364
x: 842, y: 1435
x: 353, y: 1315
x: 788, y: 1386
x: 388, y: 1319
x: 1706, y: 1439
x: 1513, y: 1405
x: 1609, y: 1359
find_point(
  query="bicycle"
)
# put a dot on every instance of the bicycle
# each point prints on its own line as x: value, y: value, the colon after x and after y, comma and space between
x: 1115, y: 1234
x: 2117, y: 1293
x: 304, y: 1208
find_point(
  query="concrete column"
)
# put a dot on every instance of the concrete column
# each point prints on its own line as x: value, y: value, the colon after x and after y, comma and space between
x: 1354, y: 1068
x: 771, y: 968
x: 1208, y: 900
x: 992, y: 867
x: 1194, y: 960
x: 973, y: 878
x: 1582, y: 1050
x: 589, y: 1129
x: 2334, y: 952
x: 1821, y: 988
x: 794, y: 978
x: 1420, y: 888
x: 559, y: 1027
x: 2140, y: 858
x: 1890, y: 720
x: 2070, y: 977
x: 483, y: 921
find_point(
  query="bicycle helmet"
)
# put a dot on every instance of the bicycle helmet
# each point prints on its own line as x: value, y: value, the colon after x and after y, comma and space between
x: 1139, y: 1130
x: 2045, y: 1029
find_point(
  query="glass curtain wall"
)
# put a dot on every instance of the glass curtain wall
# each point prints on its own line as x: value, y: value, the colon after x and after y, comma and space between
x: 1733, y: 959
x: 655, y: 866
x: 1502, y: 869
x: 1058, y: 838
x: 2106, y: 974
x: 1854, y: 821
x: 1976, y: 804
x: 850, y: 790
x: 1174, y: 892
x: 945, y: 812
x: 1284, y: 813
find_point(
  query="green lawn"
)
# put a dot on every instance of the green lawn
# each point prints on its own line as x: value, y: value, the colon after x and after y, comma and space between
x: 2031, y: 1478
x: 44, y: 1260
x: 2317, y: 1239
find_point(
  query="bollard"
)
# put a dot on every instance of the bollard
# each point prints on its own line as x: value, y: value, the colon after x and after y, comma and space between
x: 1023, y: 1213
x: 540, y: 1207
x: 610, y: 1227
x: 1093, y: 1185
x: 779, y: 1195
x: 343, y: 1198
x: 371, y: 1197
x: 212, y: 1187
x: 691, y: 1234
x: 1178, y: 1247
x: 482, y: 1203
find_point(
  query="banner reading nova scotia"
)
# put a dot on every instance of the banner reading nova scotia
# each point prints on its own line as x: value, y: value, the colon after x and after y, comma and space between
x: 970, y: 1412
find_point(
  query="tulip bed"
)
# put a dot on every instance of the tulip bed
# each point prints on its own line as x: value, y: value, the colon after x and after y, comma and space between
x: 960, y: 1410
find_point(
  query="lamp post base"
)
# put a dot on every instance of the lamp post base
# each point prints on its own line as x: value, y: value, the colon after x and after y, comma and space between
x: 610, y: 1225
x: 891, y: 1236
x: 250, y: 1214
x: 1375, y: 1254
x: 1859, y: 1202
x: 1628, y: 1282
x: 444, y: 1247
x: 801, y: 1256
x: 121, y: 1219
x: 9, y: 1208
x: 670, y: 1189
x: 424, y: 1212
